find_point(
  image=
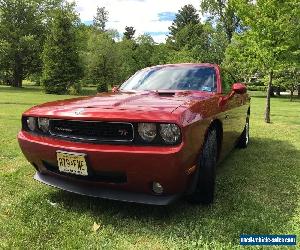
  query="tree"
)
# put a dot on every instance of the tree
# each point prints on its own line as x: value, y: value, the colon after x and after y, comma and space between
x: 62, y: 67
x: 223, y: 11
x: 144, y: 51
x: 239, y: 58
x: 288, y: 77
x: 195, y: 41
x: 101, y: 61
x: 190, y: 36
x: 129, y: 33
x: 183, y: 56
x: 217, y: 41
x: 187, y: 15
x: 128, y: 65
x: 23, y: 25
x: 101, y: 19
x: 272, y: 34
x: 160, y: 54
x: 203, y: 42
x: 5, y: 74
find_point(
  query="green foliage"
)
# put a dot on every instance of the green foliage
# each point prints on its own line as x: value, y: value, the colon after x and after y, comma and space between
x: 101, y: 61
x: 5, y: 72
x: 202, y: 42
x: 190, y: 36
x: 76, y: 88
x: 256, y: 88
x: 129, y: 33
x: 288, y: 77
x: 273, y: 27
x: 271, y: 38
x: 223, y: 11
x: 245, y: 37
x: 23, y: 26
x: 193, y: 41
x: 240, y: 59
x: 228, y: 79
x: 100, y: 19
x: 161, y: 54
x: 114, y: 34
x: 126, y: 52
x: 62, y: 67
x: 187, y: 15
x: 36, y: 78
x: 217, y: 43
x: 182, y: 56
x: 144, y: 51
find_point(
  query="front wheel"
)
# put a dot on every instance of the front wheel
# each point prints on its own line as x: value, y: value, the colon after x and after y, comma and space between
x: 206, y: 171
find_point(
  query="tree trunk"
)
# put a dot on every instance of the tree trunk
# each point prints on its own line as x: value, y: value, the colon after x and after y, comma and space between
x: 272, y: 91
x: 17, y: 73
x: 299, y: 91
x: 17, y: 81
x: 292, y: 93
x: 268, y: 101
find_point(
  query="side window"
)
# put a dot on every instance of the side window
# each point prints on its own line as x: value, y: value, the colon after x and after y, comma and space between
x: 227, y: 81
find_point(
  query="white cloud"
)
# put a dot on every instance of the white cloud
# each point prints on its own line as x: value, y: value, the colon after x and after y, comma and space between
x: 141, y: 14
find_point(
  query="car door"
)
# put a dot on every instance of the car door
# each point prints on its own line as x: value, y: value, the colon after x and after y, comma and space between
x: 232, y: 113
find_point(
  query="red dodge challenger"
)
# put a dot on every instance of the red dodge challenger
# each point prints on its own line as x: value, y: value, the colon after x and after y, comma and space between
x: 157, y: 137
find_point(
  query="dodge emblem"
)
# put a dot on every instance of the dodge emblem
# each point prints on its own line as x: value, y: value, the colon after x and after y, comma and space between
x: 78, y: 112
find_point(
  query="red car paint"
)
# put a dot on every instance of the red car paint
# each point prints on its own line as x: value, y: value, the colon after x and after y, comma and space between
x: 172, y: 166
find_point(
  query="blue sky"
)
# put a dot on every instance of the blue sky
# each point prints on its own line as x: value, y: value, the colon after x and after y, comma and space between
x: 147, y: 16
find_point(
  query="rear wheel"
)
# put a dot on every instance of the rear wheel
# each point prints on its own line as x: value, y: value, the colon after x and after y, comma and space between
x: 206, y: 171
x: 245, y: 136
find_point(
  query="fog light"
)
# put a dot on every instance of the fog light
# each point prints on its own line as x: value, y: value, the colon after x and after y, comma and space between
x: 157, y: 188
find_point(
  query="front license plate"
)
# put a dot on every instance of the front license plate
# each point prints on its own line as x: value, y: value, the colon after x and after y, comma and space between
x: 72, y: 163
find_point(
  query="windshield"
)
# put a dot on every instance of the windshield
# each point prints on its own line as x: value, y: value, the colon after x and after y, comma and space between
x: 173, y: 78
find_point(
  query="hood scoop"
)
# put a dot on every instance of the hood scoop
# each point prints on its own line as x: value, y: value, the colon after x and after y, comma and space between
x: 170, y: 93
x: 166, y: 94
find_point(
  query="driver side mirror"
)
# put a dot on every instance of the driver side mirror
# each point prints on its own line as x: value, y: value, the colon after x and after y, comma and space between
x: 115, y: 89
x: 239, y: 88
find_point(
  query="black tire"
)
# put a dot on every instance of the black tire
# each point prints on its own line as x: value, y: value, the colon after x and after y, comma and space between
x: 245, y: 136
x: 206, y: 172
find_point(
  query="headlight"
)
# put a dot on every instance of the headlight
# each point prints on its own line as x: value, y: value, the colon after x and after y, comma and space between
x: 31, y: 123
x: 147, y: 131
x: 170, y: 133
x: 43, y: 124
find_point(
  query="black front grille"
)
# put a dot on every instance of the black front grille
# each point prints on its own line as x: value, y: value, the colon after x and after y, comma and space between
x: 92, y: 130
x: 99, y: 176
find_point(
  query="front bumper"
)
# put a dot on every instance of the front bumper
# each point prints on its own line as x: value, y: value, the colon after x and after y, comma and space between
x: 142, y: 165
x: 105, y: 193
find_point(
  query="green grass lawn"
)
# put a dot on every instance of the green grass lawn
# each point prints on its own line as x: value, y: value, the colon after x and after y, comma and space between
x: 258, y: 191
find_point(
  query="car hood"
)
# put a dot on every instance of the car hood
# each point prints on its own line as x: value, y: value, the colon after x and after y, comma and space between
x: 131, y: 105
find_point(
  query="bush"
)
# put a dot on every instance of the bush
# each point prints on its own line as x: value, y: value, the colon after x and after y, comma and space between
x: 257, y: 83
x: 75, y: 89
x: 55, y: 87
x: 102, y: 87
x: 257, y: 88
